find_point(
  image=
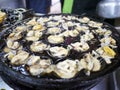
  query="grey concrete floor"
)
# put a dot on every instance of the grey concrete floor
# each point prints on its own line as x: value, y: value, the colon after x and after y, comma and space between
x: 12, y: 4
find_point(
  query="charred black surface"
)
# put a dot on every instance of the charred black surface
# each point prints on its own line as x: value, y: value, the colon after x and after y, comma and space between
x: 46, y: 79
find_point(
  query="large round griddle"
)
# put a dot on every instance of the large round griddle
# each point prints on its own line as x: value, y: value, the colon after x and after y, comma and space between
x: 51, y: 83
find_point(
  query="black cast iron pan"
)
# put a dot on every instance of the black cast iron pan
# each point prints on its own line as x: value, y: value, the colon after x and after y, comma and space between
x: 51, y: 83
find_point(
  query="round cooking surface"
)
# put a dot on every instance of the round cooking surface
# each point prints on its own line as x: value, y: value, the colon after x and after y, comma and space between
x: 18, y: 86
x: 59, y: 50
